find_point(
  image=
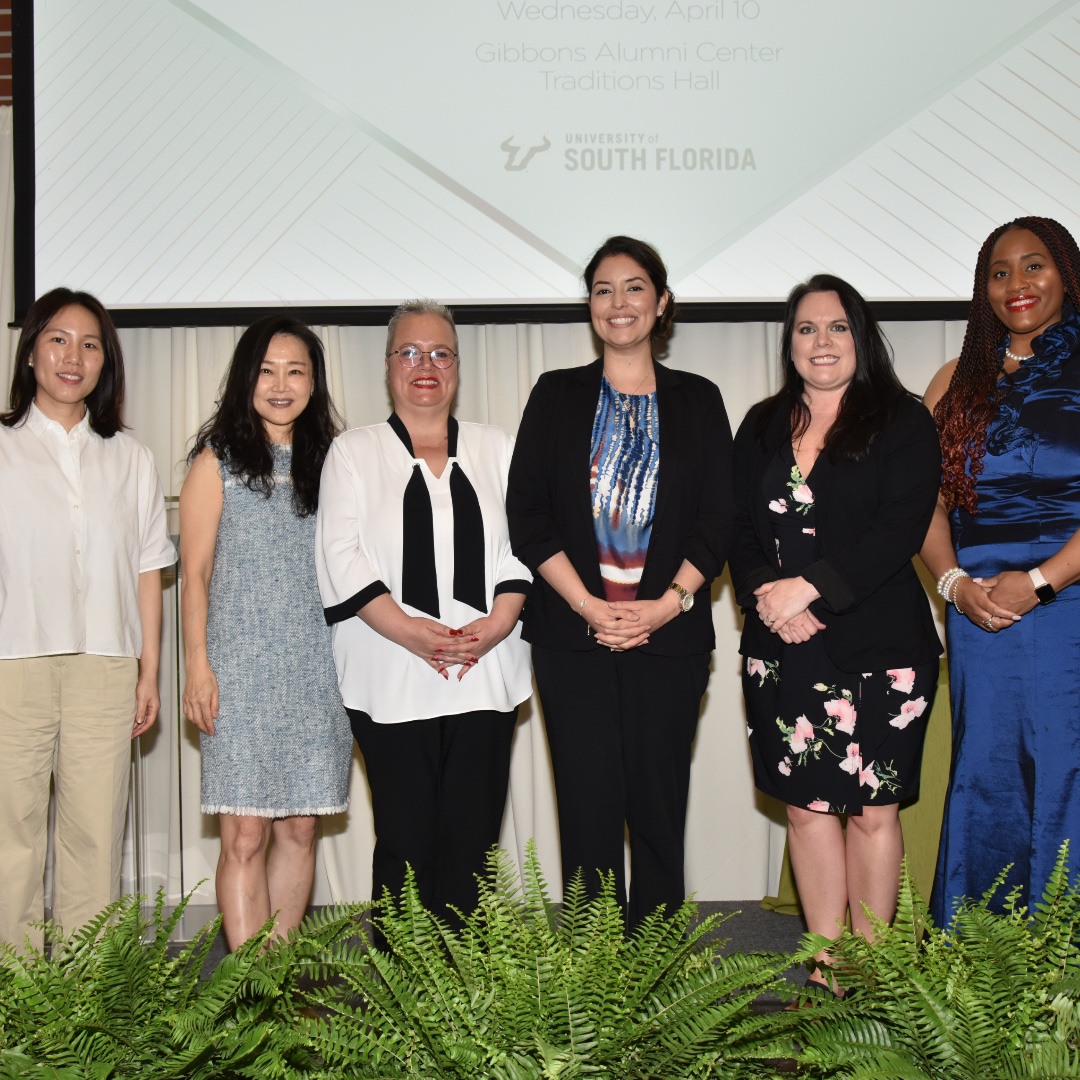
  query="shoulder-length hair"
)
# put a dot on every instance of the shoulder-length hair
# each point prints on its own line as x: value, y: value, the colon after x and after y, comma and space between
x: 105, y: 402
x: 871, y: 399
x: 969, y: 404
x: 648, y: 258
x: 235, y: 431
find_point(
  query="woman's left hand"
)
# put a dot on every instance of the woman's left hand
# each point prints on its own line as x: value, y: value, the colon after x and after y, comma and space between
x: 147, y: 704
x: 480, y: 636
x: 1011, y: 589
x: 783, y: 600
x: 651, y: 614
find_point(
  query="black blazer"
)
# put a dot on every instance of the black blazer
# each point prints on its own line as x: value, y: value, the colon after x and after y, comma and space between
x: 549, y: 504
x: 871, y: 518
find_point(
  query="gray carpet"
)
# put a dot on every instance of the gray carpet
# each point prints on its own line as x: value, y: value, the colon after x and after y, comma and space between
x: 747, y: 928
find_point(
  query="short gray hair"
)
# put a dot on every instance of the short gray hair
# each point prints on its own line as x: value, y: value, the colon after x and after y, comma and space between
x: 419, y: 307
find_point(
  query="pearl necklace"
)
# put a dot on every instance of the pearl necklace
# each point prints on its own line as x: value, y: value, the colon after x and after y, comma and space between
x: 1019, y: 359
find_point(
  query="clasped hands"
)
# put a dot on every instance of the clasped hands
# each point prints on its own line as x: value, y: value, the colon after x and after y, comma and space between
x: 995, y: 603
x: 443, y: 647
x: 621, y: 625
x: 783, y: 606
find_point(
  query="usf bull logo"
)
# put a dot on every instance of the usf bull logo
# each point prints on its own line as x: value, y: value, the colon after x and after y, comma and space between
x: 516, y: 160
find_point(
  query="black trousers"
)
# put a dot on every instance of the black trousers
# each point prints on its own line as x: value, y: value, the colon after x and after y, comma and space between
x: 438, y: 791
x: 620, y: 727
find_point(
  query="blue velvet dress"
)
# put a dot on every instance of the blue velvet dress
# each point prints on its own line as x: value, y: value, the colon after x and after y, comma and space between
x: 1014, y: 794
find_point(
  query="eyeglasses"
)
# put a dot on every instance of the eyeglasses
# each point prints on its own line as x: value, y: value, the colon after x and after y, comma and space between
x: 409, y: 356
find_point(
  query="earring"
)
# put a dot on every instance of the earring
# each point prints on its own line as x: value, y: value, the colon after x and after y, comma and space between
x: 659, y: 312
x: 31, y: 361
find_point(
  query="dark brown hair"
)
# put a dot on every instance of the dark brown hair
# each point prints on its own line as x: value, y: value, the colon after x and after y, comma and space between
x: 647, y: 257
x: 870, y: 401
x: 105, y: 402
x: 969, y: 404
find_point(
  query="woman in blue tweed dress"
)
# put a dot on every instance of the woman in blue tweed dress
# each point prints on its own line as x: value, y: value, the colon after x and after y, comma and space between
x: 261, y: 683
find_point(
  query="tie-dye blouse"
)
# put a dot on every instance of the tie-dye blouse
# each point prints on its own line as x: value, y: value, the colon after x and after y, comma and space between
x: 624, y: 464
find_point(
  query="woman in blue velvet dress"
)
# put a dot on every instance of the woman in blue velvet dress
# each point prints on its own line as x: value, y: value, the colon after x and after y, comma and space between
x: 1005, y: 547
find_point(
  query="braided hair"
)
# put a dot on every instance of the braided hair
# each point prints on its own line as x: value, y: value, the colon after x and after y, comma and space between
x: 971, y: 401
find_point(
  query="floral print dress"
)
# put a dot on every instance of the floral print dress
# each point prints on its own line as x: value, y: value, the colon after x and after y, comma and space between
x: 822, y: 738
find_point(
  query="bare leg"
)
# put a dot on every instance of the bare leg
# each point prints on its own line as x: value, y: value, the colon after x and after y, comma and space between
x: 242, y: 894
x: 290, y: 870
x: 818, y: 859
x: 875, y: 849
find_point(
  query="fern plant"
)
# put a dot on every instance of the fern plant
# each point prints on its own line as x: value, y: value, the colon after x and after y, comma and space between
x: 111, y: 1002
x: 520, y: 994
x: 993, y: 996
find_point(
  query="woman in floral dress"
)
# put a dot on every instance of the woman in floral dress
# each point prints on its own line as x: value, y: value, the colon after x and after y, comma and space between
x: 836, y: 481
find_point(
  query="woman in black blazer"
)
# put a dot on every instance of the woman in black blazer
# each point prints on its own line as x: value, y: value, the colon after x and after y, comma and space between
x: 836, y: 481
x: 620, y: 502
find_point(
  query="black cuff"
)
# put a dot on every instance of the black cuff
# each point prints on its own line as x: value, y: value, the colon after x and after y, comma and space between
x: 348, y: 608
x: 834, y: 589
x: 744, y: 595
x: 515, y: 585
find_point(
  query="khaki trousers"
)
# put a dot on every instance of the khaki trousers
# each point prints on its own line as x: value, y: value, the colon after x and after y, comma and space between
x: 68, y: 718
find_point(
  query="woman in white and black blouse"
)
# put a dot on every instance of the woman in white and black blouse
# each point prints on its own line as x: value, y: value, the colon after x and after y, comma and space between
x: 419, y: 582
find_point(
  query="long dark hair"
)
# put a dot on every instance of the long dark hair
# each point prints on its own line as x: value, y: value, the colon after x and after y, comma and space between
x: 106, y: 401
x: 969, y: 404
x: 873, y: 396
x: 235, y: 431
x: 648, y: 258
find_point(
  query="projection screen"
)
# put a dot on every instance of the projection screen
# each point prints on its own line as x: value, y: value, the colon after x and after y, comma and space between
x: 339, y: 152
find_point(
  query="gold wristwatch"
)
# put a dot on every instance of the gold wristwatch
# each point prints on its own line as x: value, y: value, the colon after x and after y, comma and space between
x: 686, y: 599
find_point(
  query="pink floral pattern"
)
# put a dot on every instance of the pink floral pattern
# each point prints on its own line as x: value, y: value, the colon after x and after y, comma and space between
x: 842, y: 711
x: 909, y: 711
x: 826, y: 731
x: 852, y: 762
x: 763, y: 669
x: 829, y: 740
x: 903, y: 679
x: 800, y: 492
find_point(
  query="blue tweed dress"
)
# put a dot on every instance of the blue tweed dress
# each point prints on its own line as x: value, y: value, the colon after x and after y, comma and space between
x: 282, y: 745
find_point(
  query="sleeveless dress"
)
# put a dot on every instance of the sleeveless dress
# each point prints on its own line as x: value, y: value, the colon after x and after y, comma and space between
x: 822, y: 738
x: 1014, y: 794
x: 282, y: 745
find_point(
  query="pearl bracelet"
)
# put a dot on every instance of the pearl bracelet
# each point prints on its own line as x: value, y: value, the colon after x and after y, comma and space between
x: 946, y: 585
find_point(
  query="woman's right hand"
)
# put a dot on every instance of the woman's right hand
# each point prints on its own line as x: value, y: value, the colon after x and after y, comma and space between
x: 618, y: 628
x: 201, y: 697
x: 972, y: 599
x: 800, y: 628
x: 438, y: 646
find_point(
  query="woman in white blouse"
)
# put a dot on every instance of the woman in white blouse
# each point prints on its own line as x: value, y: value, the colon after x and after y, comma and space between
x: 422, y: 590
x: 82, y: 544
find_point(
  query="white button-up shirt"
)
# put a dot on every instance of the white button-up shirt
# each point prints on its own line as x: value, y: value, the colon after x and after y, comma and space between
x: 80, y: 518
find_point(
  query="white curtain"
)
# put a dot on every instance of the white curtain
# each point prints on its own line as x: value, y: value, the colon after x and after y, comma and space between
x: 734, y: 839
